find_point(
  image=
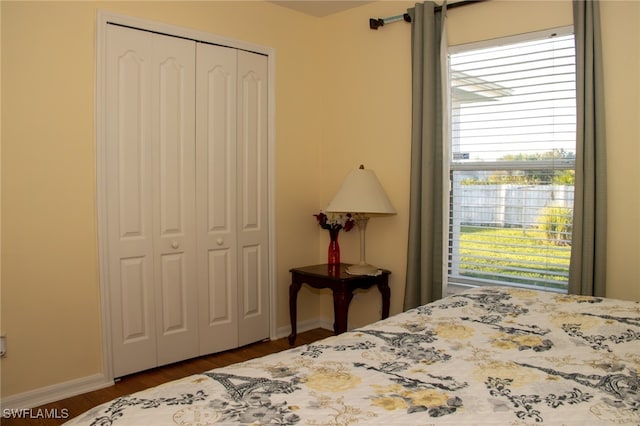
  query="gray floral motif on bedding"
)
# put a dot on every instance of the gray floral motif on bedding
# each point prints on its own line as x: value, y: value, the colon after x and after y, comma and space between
x: 621, y: 387
x: 249, y: 400
x: 314, y: 351
x: 525, y: 405
x: 116, y: 409
x: 599, y: 342
x: 493, y: 302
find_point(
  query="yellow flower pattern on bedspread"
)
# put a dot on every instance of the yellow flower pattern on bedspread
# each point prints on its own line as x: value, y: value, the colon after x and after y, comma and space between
x: 332, y: 381
x: 488, y: 356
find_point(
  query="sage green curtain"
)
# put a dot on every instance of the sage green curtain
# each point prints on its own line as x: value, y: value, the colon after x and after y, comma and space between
x: 425, y: 246
x: 587, y: 272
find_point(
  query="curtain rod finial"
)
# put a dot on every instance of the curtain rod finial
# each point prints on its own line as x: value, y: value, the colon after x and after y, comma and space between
x: 374, y: 24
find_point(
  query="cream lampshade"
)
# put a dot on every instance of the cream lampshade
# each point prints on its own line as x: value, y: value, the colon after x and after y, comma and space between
x: 362, y: 195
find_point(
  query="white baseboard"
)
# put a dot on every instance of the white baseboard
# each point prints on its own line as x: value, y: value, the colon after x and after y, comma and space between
x: 47, y: 394
x: 52, y: 393
x: 304, y: 326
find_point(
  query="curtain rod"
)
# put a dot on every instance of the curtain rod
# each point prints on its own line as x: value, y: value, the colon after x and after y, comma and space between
x: 374, y: 23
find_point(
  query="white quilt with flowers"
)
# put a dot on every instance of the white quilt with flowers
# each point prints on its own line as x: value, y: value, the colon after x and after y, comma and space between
x: 489, y: 356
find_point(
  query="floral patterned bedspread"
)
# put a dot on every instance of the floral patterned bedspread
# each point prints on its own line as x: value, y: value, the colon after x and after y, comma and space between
x: 488, y: 356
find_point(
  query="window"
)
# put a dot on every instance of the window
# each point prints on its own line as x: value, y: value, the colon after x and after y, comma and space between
x: 512, y: 161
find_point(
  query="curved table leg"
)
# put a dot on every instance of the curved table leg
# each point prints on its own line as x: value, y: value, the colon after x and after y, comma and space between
x: 341, y: 302
x: 385, y: 292
x: 293, y: 308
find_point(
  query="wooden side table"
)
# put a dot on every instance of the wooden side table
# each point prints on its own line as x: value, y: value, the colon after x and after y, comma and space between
x: 341, y: 284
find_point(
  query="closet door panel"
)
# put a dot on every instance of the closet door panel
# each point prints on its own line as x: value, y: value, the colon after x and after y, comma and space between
x: 130, y: 130
x: 174, y: 303
x: 176, y: 146
x: 252, y: 283
x: 174, y: 202
x: 129, y: 199
x: 252, y: 202
x: 220, y: 311
x: 216, y: 196
x: 134, y: 300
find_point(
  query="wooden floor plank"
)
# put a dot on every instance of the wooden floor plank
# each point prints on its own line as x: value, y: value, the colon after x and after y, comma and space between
x: 138, y: 381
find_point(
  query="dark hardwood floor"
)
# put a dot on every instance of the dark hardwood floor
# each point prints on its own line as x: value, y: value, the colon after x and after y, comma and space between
x: 138, y: 381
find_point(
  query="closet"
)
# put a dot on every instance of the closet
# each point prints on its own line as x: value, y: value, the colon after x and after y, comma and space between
x: 186, y: 197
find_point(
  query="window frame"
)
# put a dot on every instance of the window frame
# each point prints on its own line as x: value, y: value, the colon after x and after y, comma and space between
x: 455, y: 284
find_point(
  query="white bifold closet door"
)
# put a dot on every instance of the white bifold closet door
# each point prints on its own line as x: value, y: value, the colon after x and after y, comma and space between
x: 151, y: 198
x: 186, y: 165
x: 231, y: 110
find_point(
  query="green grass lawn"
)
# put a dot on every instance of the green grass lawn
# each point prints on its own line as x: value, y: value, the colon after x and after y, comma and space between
x: 523, y: 256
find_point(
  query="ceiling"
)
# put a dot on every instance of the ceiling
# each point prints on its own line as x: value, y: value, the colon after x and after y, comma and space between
x: 320, y: 8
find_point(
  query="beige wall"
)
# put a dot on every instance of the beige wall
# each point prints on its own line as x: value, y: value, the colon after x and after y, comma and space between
x: 343, y: 98
x: 621, y: 45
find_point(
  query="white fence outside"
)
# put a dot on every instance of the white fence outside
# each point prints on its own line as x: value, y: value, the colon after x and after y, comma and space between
x: 506, y: 205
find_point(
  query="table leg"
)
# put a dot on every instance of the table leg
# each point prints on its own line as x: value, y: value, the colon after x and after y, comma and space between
x: 293, y: 309
x: 385, y: 292
x: 341, y: 300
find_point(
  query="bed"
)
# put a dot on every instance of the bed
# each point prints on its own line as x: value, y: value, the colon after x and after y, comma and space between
x: 487, y: 356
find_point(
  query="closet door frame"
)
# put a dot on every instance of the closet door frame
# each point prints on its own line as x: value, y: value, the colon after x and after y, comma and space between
x: 105, y: 18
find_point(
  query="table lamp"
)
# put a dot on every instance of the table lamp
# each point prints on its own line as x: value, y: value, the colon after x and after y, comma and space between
x: 362, y: 195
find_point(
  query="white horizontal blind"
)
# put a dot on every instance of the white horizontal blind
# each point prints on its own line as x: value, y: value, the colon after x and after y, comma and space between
x: 513, y: 127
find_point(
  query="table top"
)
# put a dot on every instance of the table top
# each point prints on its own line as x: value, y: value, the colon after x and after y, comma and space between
x: 334, y: 272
